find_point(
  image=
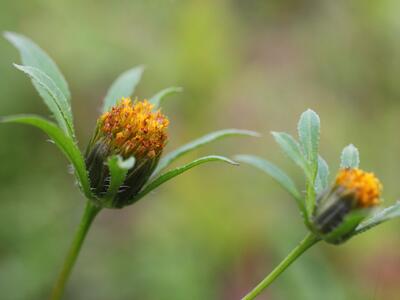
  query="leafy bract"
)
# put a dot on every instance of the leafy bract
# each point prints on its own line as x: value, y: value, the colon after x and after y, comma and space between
x: 123, y: 86
x: 350, y: 157
x: 118, y: 169
x: 309, y: 129
x: 208, y: 138
x: 322, y: 179
x: 64, y: 143
x: 177, y: 171
x: 158, y: 98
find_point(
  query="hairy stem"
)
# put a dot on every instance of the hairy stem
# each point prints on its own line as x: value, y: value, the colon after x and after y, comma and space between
x: 305, y: 244
x: 90, y: 213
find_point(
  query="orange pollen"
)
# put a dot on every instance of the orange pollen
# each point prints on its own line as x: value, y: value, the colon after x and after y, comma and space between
x: 135, y: 129
x: 365, y: 186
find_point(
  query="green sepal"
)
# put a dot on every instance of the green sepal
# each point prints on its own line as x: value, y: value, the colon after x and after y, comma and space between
x: 158, y: 98
x: 350, y: 157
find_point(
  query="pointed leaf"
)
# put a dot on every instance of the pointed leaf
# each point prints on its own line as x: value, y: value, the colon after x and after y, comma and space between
x: 350, y: 157
x: 309, y: 129
x: 53, y: 97
x: 379, y: 217
x: 322, y: 179
x: 64, y: 143
x: 208, y: 138
x: 292, y: 149
x: 158, y: 98
x: 118, y: 169
x: 177, y: 171
x: 123, y: 86
x: 276, y: 173
x: 33, y: 56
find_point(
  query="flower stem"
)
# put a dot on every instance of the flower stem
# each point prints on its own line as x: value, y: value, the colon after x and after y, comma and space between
x: 90, y: 213
x: 305, y: 244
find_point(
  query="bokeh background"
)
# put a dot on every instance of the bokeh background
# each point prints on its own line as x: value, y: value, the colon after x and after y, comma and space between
x: 216, y: 231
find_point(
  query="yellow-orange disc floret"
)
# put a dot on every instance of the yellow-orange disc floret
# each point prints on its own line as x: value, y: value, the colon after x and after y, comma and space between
x: 365, y: 186
x: 134, y: 129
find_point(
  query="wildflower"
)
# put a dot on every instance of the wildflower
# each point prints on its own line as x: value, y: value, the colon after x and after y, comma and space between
x: 354, y: 190
x: 130, y: 128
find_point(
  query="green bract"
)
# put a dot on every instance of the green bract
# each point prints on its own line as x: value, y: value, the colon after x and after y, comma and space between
x: 53, y: 88
x: 304, y: 153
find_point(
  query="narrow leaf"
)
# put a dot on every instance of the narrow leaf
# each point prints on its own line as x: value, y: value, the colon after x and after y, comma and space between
x: 309, y: 129
x: 118, y: 169
x: 276, y: 173
x: 64, y: 143
x: 206, y: 139
x: 177, y: 171
x: 33, y: 56
x: 322, y: 179
x: 123, y: 86
x: 292, y: 149
x: 158, y: 98
x: 350, y: 157
x: 52, y: 96
x: 379, y: 217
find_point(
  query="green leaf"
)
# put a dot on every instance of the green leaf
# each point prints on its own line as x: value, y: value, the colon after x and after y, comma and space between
x: 322, y: 179
x: 208, y: 138
x: 33, y: 56
x: 123, y: 86
x: 64, y: 143
x: 292, y: 149
x: 118, y: 169
x: 158, y: 98
x: 350, y: 157
x: 309, y: 128
x: 379, y: 217
x: 276, y: 173
x: 177, y: 171
x: 53, y: 97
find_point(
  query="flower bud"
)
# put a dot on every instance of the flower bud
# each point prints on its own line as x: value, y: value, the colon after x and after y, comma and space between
x: 127, y: 129
x: 354, y: 191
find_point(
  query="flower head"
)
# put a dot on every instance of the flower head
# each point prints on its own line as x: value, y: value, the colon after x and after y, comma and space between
x: 354, y: 191
x: 130, y: 128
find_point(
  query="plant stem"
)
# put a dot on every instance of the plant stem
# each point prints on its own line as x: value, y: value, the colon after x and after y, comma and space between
x: 305, y: 244
x: 90, y: 213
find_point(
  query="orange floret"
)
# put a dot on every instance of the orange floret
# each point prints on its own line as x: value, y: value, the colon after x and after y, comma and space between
x: 134, y: 129
x: 365, y: 186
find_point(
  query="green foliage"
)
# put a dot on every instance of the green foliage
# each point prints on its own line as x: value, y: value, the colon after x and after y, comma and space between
x: 204, y: 140
x: 322, y: 179
x: 123, y: 86
x: 63, y: 142
x: 350, y: 157
x: 158, y: 98
x: 177, y: 171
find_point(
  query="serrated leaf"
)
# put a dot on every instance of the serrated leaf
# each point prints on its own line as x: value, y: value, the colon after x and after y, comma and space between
x: 379, y: 217
x: 63, y: 142
x: 276, y: 173
x: 350, y: 157
x: 53, y: 98
x: 206, y: 139
x: 123, y: 86
x: 322, y: 179
x: 33, y: 56
x: 177, y: 171
x: 292, y: 149
x: 309, y: 129
x: 118, y: 169
x: 158, y: 98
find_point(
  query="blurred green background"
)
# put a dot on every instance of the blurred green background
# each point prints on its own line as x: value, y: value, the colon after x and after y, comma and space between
x: 215, y: 232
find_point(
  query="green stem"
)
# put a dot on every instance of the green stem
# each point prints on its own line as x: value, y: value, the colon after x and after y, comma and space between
x: 305, y: 244
x: 90, y: 213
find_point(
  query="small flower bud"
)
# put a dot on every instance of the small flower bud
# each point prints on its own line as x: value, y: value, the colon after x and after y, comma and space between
x: 354, y: 190
x: 127, y: 129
